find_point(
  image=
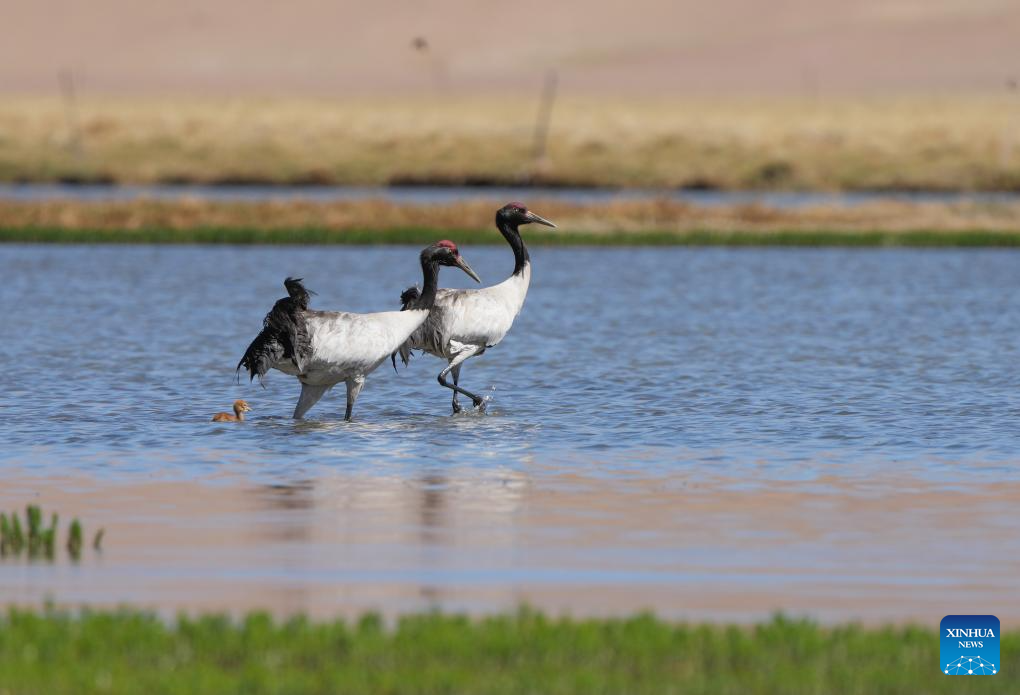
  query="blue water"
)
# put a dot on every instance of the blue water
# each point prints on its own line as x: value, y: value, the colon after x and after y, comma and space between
x: 807, y: 362
x: 709, y: 433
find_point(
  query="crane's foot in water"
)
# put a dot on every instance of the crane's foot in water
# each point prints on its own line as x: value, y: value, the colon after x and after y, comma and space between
x: 479, y: 404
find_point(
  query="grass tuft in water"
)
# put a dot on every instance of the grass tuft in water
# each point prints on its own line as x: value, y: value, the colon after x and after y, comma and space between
x: 36, y: 541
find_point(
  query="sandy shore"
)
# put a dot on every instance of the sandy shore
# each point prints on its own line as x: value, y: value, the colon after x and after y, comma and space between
x: 681, y: 47
x: 893, y: 549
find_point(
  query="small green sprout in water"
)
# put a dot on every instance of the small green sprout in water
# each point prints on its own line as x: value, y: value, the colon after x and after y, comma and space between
x: 74, y: 540
x: 19, y: 536
x: 34, y: 516
x: 6, y: 536
x: 97, y: 542
x: 50, y: 536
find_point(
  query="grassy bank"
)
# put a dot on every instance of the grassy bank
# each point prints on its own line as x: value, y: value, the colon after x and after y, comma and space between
x: 130, y: 652
x: 963, y: 142
x: 424, y: 235
x: 640, y: 222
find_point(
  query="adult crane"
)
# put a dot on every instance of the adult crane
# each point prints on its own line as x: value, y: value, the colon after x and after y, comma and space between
x: 341, y: 346
x: 465, y: 323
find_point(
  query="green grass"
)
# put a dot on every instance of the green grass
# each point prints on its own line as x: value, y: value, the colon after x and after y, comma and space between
x: 133, y: 652
x: 425, y: 235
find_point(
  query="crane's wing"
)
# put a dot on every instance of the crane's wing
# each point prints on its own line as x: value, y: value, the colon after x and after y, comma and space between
x: 266, y: 350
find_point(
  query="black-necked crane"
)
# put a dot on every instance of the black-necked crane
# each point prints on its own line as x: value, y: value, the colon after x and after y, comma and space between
x: 337, y: 345
x: 464, y: 323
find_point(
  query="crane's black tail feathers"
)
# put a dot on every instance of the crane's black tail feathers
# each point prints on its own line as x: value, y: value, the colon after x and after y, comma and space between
x: 284, y: 334
x: 406, y: 298
x: 298, y: 292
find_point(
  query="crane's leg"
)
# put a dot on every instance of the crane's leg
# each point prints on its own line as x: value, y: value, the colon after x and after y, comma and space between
x: 354, y: 385
x: 456, y: 380
x: 310, y: 395
x: 466, y: 352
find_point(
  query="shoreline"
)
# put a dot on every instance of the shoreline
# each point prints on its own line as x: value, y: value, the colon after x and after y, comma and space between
x: 644, y: 222
x: 876, y: 238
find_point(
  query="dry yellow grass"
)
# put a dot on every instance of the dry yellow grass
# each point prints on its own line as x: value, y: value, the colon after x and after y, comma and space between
x: 903, y: 143
x: 611, y: 219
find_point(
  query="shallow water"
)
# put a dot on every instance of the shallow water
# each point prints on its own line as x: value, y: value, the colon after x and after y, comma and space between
x: 712, y: 432
x: 425, y: 195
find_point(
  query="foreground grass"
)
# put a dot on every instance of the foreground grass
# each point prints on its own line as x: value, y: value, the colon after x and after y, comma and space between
x: 963, y: 142
x: 131, y: 652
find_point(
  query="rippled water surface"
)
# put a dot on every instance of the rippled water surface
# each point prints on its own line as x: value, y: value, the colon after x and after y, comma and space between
x: 683, y: 420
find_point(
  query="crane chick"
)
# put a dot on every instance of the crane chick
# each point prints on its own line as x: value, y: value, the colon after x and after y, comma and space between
x: 240, y: 408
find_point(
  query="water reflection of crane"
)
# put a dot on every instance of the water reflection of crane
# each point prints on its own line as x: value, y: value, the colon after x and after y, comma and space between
x: 291, y: 496
x: 359, y: 528
x: 433, y: 489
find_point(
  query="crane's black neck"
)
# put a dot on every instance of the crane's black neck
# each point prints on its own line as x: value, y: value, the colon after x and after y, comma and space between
x: 430, y: 277
x: 513, y: 237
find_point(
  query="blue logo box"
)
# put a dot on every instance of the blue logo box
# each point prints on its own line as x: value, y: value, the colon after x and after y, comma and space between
x: 969, y: 645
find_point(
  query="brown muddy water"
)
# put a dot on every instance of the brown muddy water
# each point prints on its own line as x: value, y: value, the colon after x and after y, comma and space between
x: 686, y: 546
x: 708, y: 433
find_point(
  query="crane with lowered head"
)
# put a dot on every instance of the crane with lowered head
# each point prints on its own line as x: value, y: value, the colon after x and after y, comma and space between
x: 338, y: 346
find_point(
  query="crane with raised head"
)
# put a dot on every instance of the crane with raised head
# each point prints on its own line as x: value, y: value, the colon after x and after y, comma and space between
x: 465, y: 323
x: 340, y: 346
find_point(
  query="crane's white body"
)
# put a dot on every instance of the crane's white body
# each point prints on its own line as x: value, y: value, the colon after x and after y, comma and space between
x: 347, y: 347
x: 466, y: 322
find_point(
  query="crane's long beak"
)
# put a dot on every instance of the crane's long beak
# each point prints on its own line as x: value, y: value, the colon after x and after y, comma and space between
x: 463, y: 265
x: 532, y: 217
